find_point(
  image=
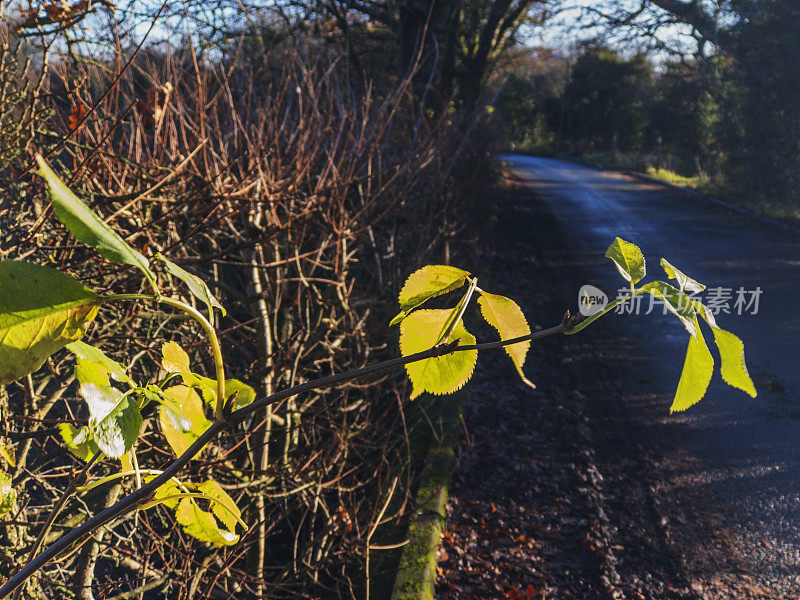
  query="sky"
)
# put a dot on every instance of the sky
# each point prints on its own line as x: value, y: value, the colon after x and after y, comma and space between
x: 568, y: 28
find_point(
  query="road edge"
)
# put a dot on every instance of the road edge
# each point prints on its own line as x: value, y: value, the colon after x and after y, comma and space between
x: 416, y: 573
x: 763, y: 219
x: 791, y: 230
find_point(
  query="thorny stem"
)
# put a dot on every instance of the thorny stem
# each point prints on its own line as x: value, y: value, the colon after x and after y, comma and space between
x: 143, y: 493
x: 213, y: 341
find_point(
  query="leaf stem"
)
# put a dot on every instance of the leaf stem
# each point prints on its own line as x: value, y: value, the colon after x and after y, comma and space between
x: 213, y: 341
x: 90, y: 486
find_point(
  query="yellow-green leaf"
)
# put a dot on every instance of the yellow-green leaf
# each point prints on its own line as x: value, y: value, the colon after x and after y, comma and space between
x: 733, y: 367
x: 507, y: 318
x: 684, y: 281
x: 8, y: 495
x: 182, y: 420
x: 115, y: 419
x: 628, y: 259
x: 79, y: 441
x: 41, y: 311
x: 224, y: 507
x: 87, y: 227
x: 208, y: 388
x: 676, y: 302
x: 89, y: 353
x: 697, y: 371
x: 442, y: 374
x: 174, y: 358
x: 426, y: 283
x: 202, y: 525
x: 196, y: 286
x: 7, y: 452
x: 167, y: 492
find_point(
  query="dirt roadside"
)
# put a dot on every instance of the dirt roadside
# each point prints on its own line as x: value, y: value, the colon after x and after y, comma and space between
x: 557, y: 494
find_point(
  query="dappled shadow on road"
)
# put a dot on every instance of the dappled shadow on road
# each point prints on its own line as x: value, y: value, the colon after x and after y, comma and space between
x: 586, y: 488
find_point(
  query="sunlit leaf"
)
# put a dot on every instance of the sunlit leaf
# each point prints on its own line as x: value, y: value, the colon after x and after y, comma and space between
x: 697, y: 371
x: 182, y: 420
x: 202, y: 525
x: 125, y: 462
x: 166, y: 493
x: 628, y: 258
x: 426, y: 283
x: 684, y: 281
x: 8, y: 495
x: 208, y: 388
x: 41, y: 310
x: 85, y: 352
x: 733, y: 367
x: 507, y: 318
x: 115, y: 418
x: 196, y: 286
x: 224, y: 507
x: 87, y: 227
x: 442, y: 374
x: 174, y: 358
x: 79, y: 441
x: 7, y: 452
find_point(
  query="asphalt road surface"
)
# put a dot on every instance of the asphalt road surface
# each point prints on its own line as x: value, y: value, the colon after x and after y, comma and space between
x: 740, y: 455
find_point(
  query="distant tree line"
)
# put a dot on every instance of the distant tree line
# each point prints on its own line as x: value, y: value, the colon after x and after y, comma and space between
x: 732, y: 112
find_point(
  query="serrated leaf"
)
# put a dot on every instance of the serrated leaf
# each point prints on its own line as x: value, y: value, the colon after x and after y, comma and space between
x: 196, y: 286
x: 733, y: 367
x: 115, y: 418
x: 196, y: 522
x: 79, y: 441
x: 426, y: 283
x: 8, y: 495
x: 224, y: 508
x: 7, y: 452
x: 88, y: 372
x: 507, y: 318
x: 440, y: 374
x: 41, y: 311
x: 202, y: 525
x: 182, y: 420
x: 628, y: 259
x: 87, y: 227
x: 174, y: 358
x: 684, y: 281
x: 697, y: 371
x: 208, y: 388
x: 85, y: 352
x: 166, y: 492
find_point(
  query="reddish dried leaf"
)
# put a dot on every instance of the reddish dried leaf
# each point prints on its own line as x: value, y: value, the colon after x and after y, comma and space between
x: 54, y: 11
x: 530, y: 592
x: 78, y: 114
x: 144, y: 109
